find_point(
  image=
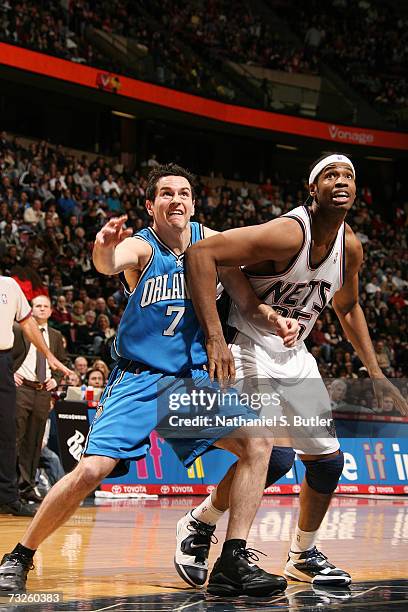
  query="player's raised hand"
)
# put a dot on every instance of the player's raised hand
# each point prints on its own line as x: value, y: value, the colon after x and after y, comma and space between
x: 220, y: 361
x: 382, y: 387
x: 113, y: 232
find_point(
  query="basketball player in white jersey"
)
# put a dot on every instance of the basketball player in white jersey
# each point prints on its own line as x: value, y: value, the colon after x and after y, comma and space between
x: 296, y: 264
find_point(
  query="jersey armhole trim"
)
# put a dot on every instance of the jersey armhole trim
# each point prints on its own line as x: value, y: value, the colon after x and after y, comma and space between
x: 294, y: 259
x: 145, y: 269
x: 343, y: 258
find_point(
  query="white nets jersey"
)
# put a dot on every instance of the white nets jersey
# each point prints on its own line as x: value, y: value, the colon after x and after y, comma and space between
x: 301, y: 291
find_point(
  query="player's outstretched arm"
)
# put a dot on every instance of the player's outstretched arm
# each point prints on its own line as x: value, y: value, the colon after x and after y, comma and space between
x: 279, y: 240
x: 353, y: 322
x: 114, y: 251
x: 264, y: 316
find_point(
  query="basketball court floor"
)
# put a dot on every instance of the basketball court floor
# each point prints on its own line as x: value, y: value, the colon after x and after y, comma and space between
x: 118, y: 555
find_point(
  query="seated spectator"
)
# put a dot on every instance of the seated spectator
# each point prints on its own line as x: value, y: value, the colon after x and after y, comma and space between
x: 110, y: 185
x: 61, y: 317
x: 105, y: 332
x: 337, y: 394
x: 78, y: 315
x: 333, y: 338
x: 33, y: 215
x: 73, y: 380
x: 29, y: 280
x: 318, y: 338
x: 373, y: 286
x: 383, y: 357
x: 101, y: 307
x: 96, y: 378
x: 86, y: 334
x: 388, y: 408
x: 66, y: 204
x: 99, y: 364
x: 81, y: 368
x: 114, y: 204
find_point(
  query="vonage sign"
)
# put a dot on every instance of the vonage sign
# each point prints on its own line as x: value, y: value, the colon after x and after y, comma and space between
x: 350, y: 135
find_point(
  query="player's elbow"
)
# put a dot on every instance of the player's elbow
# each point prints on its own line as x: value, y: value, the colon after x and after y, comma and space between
x: 100, y: 268
x: 342, y: 309
x: 104, y: 270
x: 103, y: 267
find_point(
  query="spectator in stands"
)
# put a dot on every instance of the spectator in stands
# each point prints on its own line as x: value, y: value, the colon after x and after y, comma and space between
x: 28, y: 279
x: 337, y: 393
x: 383, y: 357
x: 61, y: 317
x: 33, y: 215
x: 373, y: 286
x: 86, y: 334
x: 104, y: 333
x: 73, y: 379
x: 78, y: 315
x: 96, y: 378
x: 99, y: 364
x: 113, y: 203
x: 333, y: 338
x: 110, y: 185
x: 63, y: 262
x: 81, y: 368
x: 388, y: 408
x: 101, y: 307
x: 66, y: 204
x: 318, y: 338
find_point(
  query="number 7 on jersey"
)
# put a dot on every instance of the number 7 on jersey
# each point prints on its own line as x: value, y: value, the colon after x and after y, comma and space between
x: 179, y: 310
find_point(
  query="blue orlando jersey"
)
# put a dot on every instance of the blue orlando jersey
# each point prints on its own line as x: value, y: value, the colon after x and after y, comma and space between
x: 159, y: 327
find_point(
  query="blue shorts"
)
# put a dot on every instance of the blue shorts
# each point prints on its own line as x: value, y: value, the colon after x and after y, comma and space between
x: 136, y: 401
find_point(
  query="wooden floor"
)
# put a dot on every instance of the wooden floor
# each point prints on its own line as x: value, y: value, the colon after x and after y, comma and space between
x: 124, y: 548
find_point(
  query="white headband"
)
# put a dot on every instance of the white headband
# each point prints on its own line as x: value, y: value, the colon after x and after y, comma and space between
x: 330, y: 159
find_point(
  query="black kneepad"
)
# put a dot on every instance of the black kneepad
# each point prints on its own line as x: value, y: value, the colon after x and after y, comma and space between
x: 280, y: 462
x: 322, y: 475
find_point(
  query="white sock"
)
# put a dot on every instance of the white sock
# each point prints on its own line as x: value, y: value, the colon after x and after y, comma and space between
x: 303, y: 540
x: 206, y: 512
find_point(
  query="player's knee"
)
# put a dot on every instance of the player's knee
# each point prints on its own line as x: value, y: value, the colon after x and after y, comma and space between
x: 90, y: 473
x: 257, y: 449
x: 322, y: 475
x: 280, y: 462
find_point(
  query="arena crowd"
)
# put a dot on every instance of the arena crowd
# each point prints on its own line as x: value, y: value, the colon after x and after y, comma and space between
x: 203, y: 35
x: 52, y: 204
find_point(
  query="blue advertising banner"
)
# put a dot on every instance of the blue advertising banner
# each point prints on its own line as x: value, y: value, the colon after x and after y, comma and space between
x: 372, y: 465
x: 375, y: 454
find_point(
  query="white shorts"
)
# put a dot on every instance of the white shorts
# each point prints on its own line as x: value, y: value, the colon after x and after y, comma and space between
x: 298, y: 392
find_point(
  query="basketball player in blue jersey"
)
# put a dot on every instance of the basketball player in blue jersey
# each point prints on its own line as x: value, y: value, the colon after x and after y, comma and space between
x: 296, y: 264
x: 159, y: 344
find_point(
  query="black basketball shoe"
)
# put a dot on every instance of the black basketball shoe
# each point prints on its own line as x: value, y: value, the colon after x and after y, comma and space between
x: 235, y: 575
x: 194, y: 539
x: 13, y: 573
x: 312, y: 566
